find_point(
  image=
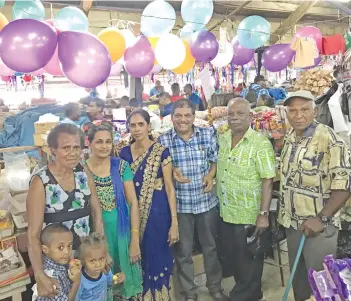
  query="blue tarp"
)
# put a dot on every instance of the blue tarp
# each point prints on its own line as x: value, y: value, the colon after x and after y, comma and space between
x: 19, y: 129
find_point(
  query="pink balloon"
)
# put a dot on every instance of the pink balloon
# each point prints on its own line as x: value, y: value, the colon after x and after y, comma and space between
x: 310, y: 32
x: 53, y: 66
x: 156, y: 69
x: 38, y: 72
x: 5, y: 78
x: 4, y: 70
x: 51, y: 22
x: 116, y: 69
x: 139, y: 58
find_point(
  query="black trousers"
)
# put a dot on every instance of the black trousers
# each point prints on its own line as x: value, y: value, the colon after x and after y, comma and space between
x: 239, y: 262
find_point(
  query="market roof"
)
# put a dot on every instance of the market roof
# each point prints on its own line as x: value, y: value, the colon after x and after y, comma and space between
x: 318, y: 10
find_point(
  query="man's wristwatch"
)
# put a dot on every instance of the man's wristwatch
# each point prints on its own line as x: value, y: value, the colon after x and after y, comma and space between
x: 264, y: 213
x: 324, y: 219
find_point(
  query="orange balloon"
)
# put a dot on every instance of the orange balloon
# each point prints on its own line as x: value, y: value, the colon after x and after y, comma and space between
x: 3, y: 21
x: 114, y: 42
x: 188, y: 62
x: 153, y: 41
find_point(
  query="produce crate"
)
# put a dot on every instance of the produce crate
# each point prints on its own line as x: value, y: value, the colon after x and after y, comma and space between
x: 43, y: 127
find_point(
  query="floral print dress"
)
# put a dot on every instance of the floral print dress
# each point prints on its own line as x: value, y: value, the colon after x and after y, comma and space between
x: 71, y: 208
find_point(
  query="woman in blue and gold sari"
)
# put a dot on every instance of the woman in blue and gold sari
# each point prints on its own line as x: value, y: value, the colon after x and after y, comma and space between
x: 152, y: 167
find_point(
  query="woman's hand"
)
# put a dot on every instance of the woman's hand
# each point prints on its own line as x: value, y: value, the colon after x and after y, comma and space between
x: 47, y: 286
x: 109, y: 264
x: 134, y: 251
x: 173, y: 234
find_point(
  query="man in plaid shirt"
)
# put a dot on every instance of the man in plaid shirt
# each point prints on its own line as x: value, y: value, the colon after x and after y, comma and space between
x: 194, y: 153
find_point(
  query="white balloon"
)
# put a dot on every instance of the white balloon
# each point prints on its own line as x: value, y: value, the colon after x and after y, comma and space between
x: 129, y: 37
x: 170, y: 51
x: 224, y: 58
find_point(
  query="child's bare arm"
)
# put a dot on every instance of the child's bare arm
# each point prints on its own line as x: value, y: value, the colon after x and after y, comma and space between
x: 72, y: 294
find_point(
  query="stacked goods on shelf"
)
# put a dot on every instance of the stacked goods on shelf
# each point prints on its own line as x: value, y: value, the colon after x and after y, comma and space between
x: 13, y: 271
x: 42, y: 128
x: 316, y: 81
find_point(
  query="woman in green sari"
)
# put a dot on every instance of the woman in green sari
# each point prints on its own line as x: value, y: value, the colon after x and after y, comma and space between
x: 115, y: 188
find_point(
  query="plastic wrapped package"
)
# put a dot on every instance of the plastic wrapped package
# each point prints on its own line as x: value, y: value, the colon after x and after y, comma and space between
x: 17, y: 169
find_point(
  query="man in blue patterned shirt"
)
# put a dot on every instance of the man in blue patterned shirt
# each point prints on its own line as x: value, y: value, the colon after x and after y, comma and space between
x: 194, y: 153
x: 255, y: 90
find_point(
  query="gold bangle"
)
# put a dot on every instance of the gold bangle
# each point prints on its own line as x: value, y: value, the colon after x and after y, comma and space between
x: 174, y: 215
x: 134, y: 230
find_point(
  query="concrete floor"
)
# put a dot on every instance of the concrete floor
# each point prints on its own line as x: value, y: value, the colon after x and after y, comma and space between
x: 271, y: 282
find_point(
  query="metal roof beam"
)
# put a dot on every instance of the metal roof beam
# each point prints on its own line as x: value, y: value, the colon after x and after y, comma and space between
x: 279, y: 7
x: 229, y: 15
x: 295, y: 17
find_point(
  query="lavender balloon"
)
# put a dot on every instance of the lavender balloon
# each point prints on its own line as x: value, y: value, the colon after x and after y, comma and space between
x: 116, y: 69
x: 204, y: 46
x: 156, y: 69
x: 139, y: 58
x: 85, y: 60
x: 316, y: 63
x: 242, y: 55
x: 277, y: 57
x: 27, y: 45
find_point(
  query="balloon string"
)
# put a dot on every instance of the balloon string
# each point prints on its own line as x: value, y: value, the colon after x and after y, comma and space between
x: 252, y: 31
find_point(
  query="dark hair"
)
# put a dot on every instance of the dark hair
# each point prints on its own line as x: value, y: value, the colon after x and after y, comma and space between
x: 268, y: 101
x: 70, y: 108
x: 145, y: 116
x: 133, y: 103
x: 50, y: 230
x: 259, y: 78
x: 165, y: 94
x: 93, y: 240
x: 175, y: 88
x: 188, y: 86
x: 98, y: 101
x: 93, y: 129
x: 64, y: 128
x: 124, y: 101
x: 140, y: 112
x: 183, y: 103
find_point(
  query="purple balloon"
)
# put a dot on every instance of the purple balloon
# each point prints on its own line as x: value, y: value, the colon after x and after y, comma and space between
x: 242, y: 55
x: 139, y: 58
x: 116, y: 69
x: 316, y: 63
x: 85, y: 60
x: 27, y: 45
x: 277, y: 57
x: 204, y: 46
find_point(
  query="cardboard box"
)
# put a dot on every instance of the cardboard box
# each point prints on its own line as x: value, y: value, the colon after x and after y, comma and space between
x: 40, y: 139
x: 43, y: 127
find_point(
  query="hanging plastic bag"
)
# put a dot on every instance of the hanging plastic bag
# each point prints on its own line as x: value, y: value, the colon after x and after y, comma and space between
x: 17, y: 170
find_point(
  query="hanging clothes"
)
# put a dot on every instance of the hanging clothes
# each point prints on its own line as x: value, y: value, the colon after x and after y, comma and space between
x: 333, y: 45
x: 306, y: 51
x: 341, y: 125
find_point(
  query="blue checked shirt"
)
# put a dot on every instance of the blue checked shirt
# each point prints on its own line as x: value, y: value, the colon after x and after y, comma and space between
x: 193, y: 158
x: 61, y: 275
